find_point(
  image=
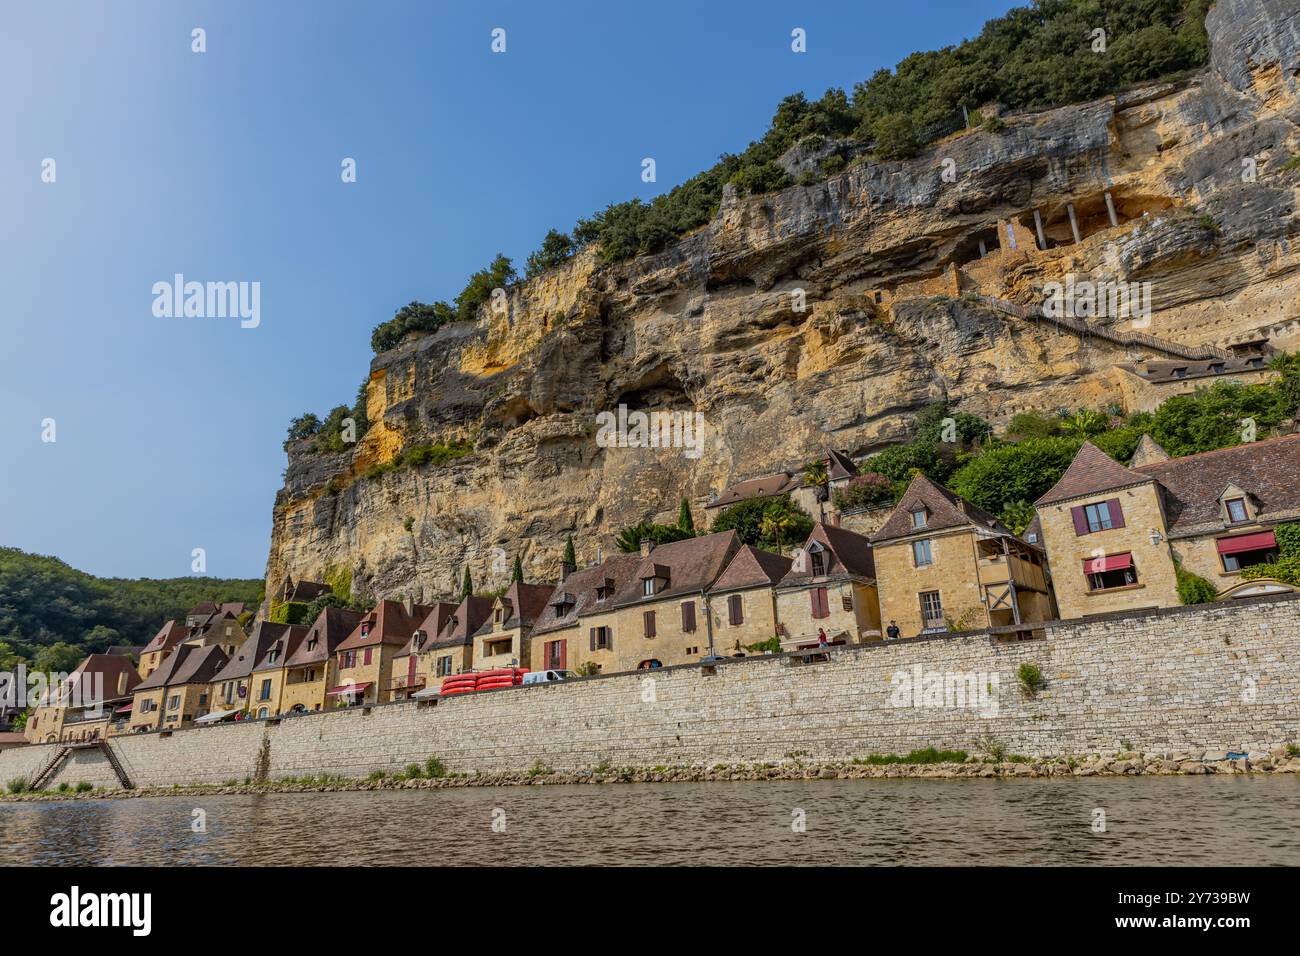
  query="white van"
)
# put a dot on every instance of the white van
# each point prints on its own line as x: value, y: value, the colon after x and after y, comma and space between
x: 545, y: 677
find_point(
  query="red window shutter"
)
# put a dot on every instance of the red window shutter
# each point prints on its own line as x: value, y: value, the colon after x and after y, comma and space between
x: 563, y: 653
x: 649, y: 623
x: 368, y: 650
x: 1080, y: 520
x: 1116, y: 513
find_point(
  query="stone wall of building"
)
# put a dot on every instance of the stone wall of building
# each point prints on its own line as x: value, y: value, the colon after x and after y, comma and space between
x: 1221, y: 677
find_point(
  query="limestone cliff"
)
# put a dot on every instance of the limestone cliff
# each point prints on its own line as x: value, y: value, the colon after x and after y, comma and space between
x: 891, y: 257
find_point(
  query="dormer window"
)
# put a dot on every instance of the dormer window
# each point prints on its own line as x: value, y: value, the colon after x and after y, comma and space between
x: 919, y: 518
x: 647, y: 587
x: 1179, y: 373
x: 365, y: 628
x: 1237, y: 512
x: 818, y: 563
x: 311, y: 644
x: 655, y: 582
x: 605, y: 590
x: 496, y: 616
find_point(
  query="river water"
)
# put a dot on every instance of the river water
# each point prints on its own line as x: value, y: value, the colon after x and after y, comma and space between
x: 1148, y: 820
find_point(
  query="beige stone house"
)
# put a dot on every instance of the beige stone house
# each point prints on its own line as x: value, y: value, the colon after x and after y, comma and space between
x: 504, y: 639
x: 557, y: 632
x: 830, y: 587
x: 302, y: 679
x: 451, y: 649
x: 86, y: 705
x: 365, y: 657
x: 177, y: 693
x: 230, y: 687
x: 408, y: 673
x: 1114, y: 534
x: 742, y: 601
x: 170, y: 636
x: 942, y: 561
x: 657, y: 617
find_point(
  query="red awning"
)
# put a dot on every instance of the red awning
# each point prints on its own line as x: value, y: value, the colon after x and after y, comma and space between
x: 1247, y: 542
x: 123, y: 710
x: 1113, y: 562
x: 348, y: 689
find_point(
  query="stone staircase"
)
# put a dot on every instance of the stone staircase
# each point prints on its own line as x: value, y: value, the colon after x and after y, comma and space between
x: 1081, y: 328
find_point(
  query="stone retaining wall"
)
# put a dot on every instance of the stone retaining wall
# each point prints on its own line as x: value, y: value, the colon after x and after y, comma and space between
x: 1223, y: 677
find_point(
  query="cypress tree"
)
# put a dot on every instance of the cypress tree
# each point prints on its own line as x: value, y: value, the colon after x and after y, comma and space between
x: 467, y: 588
x: 570, y: 556
x: 684, y: 520
x: 518, y: 576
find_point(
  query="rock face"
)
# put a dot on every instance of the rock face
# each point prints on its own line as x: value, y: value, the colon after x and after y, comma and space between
x: 886, y: 258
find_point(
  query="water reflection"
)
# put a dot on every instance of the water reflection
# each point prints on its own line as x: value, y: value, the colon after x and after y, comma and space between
x: 1167, y: 820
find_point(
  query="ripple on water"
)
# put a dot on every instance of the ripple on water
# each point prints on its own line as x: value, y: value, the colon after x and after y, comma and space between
x: 1151, y: 820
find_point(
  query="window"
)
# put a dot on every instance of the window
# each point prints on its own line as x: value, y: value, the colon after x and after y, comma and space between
x: 496, y: 616
x: 228, y: 630
x: 601, y: 639
x: 265, y: 692
x: 1216, y: 367
x: 818, y: 563
x: 203, y: 700
x: 499, y: 646
x: 262, y: 713
x: 1237, y: 510
x: 1100, y: 516
x: 688, y: 617
x: 1112, y: 571
x: 735, y: 609
x: 1180, y: 373
x: 649, y: 620
x: 348, y: 659
x: 273, y: 655
x: 931, y: 609
x: 311, y: 643
x: 554, y: 655
x: 820, y: 604
x: 444, y: 666
x: 311, y: 675
x: 922, y: 554
x: 919, y: 518
x: 173, y: 702
x: 647, y: 587
x: 1244, y: 559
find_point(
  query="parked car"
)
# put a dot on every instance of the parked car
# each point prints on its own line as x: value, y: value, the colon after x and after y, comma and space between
x: 545, y: 677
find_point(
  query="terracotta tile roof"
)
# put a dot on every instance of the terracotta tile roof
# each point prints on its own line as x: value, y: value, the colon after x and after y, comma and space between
x: 1268, y: 470
x: 126, y: 650
x: 388, y: 623
x: 302, y: 592
x: 433, y: 622
x: 169, y: 635
x: 943, y: 510
x: 581, y: 586
x: 241, y: 663
x: 1092, y: 472
x: 329, y: 630
x: 839, y: 465
x: 767, y: 486
x: 531, y: 598
x: 163, y: 672
x: 751, y: 568
x: 188, y: 664
x: 850, y: 557
x: 463, y: 622
x: 114, y: 669
x: 689, y: 565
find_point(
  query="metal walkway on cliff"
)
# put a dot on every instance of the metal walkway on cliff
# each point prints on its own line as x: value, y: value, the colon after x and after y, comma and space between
x: 1084, y: 329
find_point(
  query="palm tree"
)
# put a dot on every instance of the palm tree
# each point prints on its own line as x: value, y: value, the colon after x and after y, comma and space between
x: 775, y: 521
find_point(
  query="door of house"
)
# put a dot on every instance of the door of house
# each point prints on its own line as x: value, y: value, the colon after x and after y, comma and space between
x: 555, y: 655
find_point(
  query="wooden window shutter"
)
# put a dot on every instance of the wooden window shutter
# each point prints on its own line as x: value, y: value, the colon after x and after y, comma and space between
x: 649, y: 623
x: 1080, y: 520
x: 688, y: 616
x: 1116, y: 513
x: 736, y: 609
x: 368, y: 652
x: 593, y: 638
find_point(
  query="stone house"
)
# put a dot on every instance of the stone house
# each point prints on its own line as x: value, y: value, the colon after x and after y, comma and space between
x: 302, y: 679
x: 831, y: 586
x: 408, y: 674
x: 365, y: 657
x: 940, y: 559
x: 86, y: 704
x: 1114, y: 534
x: 177, y: 693
x: 657, y: 615
x: 741, y: 604
x: 230, y: 686
x: 170, y: 636
x: 840, y: 470
x: 504, y: 639
x: 557, y: 631
x: 451, y: 650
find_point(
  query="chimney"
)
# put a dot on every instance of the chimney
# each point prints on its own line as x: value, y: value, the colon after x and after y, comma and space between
x: 599, y: 557
x: 646, y: 547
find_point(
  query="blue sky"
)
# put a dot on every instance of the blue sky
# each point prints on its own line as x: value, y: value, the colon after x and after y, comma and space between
x: 224, y: 166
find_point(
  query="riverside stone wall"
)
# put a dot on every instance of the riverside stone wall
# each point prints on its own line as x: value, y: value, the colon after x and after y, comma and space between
x: 1224, y: 677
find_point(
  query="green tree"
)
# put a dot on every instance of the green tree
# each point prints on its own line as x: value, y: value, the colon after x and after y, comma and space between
x: 684, y: 519
x: 556, y: 248
x: 59, y: 657
x: 517, y: 575
x: 467, y: 585
x: 478, y: 290
x: 896, y: 137
x: 304, y: 426
x: 570, y: 558
x: 630, y: 538
x: 1000, y: 477
x: 746, y: 518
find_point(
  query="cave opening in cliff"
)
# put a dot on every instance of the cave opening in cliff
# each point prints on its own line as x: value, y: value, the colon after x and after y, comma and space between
x: 975, y: 246
x: 660, y: 389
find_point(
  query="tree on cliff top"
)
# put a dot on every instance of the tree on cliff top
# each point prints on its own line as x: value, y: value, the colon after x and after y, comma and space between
x: 467, y: 586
